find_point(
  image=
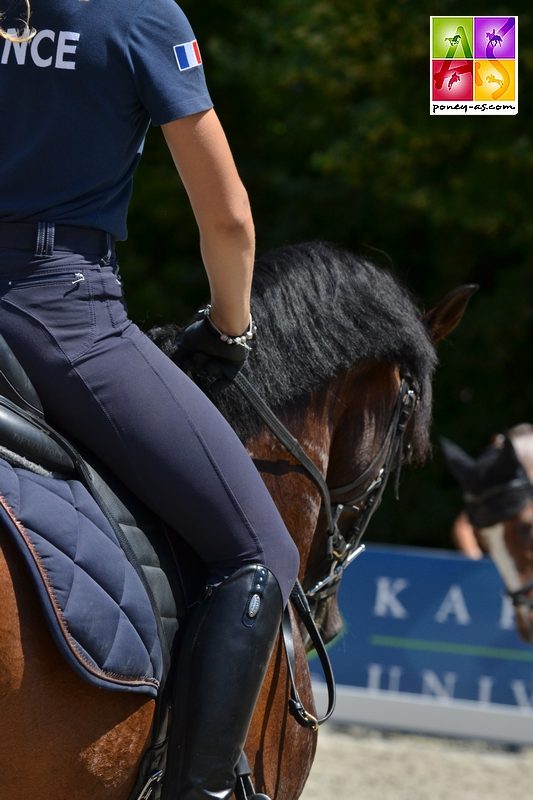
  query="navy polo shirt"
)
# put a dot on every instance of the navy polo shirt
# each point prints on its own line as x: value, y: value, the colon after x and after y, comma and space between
x: 76, y: 103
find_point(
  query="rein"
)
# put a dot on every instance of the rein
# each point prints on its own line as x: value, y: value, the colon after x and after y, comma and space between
x: 341, y: 549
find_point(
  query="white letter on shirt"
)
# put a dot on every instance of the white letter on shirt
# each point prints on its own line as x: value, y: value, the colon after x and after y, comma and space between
x: 63, y: 48
x: 36, y: 41
x: 18, y: 48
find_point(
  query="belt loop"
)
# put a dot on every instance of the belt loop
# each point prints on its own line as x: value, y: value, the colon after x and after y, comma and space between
x: 41, y: 239
x: 109, y: 241
x: 50, y: 238
x: 44, y: 245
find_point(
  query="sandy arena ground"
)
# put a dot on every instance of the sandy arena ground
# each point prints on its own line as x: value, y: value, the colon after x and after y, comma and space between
x: 358, y: 764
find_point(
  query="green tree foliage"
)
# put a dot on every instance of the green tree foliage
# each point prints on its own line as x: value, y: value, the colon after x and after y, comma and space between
x: 326, y: 106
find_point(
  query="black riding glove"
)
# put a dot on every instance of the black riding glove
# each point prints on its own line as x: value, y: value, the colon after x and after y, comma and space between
x: 211, y: 362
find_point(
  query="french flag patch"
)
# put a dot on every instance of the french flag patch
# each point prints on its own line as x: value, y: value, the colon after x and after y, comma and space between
x: 188, y: 55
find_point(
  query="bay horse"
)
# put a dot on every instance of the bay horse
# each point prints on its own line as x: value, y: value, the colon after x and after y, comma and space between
x: 337, y: 335
x: 498, y: 491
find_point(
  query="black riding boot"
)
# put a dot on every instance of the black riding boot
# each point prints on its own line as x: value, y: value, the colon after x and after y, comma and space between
x: 223, y: 659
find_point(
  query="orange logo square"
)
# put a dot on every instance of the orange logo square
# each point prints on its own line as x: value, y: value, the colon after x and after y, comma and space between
x: 494, y: 80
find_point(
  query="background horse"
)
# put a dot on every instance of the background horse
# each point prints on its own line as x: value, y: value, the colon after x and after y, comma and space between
x: 336, y: 335
x: 498, y: 492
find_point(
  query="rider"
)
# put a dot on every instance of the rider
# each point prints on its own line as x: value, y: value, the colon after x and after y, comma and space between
x: 78, y: 92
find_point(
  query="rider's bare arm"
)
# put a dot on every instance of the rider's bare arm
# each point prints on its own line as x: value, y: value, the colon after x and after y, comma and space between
x: 464, y: 537
x: 220, y: 204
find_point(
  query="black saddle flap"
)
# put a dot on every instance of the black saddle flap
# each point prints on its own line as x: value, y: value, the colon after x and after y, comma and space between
x: 14, y: 383
x: 28, y: 439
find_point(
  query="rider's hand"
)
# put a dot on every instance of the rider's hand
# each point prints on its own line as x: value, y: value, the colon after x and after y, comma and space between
x: 211, y: 362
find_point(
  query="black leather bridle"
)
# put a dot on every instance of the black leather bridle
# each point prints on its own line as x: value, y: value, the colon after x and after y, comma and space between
x: 361, y: 497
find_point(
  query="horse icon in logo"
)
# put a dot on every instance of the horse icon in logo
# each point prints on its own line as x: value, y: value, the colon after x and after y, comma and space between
x: 494, y: 79
x: 493, y: 38
x: 454, y: 79
x: 453, y: 40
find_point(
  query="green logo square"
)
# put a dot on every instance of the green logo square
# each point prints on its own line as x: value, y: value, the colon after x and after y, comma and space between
x: 453, y: 37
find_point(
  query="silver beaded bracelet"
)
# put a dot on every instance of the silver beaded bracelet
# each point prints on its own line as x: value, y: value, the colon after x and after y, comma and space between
x: 243, y: 339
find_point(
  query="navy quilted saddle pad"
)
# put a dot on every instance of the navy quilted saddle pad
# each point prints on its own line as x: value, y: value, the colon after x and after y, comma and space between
x: 103, y: 583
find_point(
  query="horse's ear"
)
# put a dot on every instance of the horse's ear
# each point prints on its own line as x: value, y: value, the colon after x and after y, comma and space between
x: 446, y: 316
x: 460, y: 464
x: 508, y: 453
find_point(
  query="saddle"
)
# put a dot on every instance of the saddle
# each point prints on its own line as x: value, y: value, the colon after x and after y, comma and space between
x: 89, y: 543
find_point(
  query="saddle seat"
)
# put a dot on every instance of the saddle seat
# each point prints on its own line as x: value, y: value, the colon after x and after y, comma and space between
x: 37, y: 462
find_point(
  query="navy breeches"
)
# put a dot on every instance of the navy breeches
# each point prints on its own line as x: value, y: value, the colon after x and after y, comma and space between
x: 103, y: 381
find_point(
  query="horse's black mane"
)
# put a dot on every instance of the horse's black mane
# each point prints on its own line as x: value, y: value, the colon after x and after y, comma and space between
x: 320, y: 310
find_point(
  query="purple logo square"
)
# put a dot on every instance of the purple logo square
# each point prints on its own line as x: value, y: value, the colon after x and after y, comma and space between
x: 495, y: 37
